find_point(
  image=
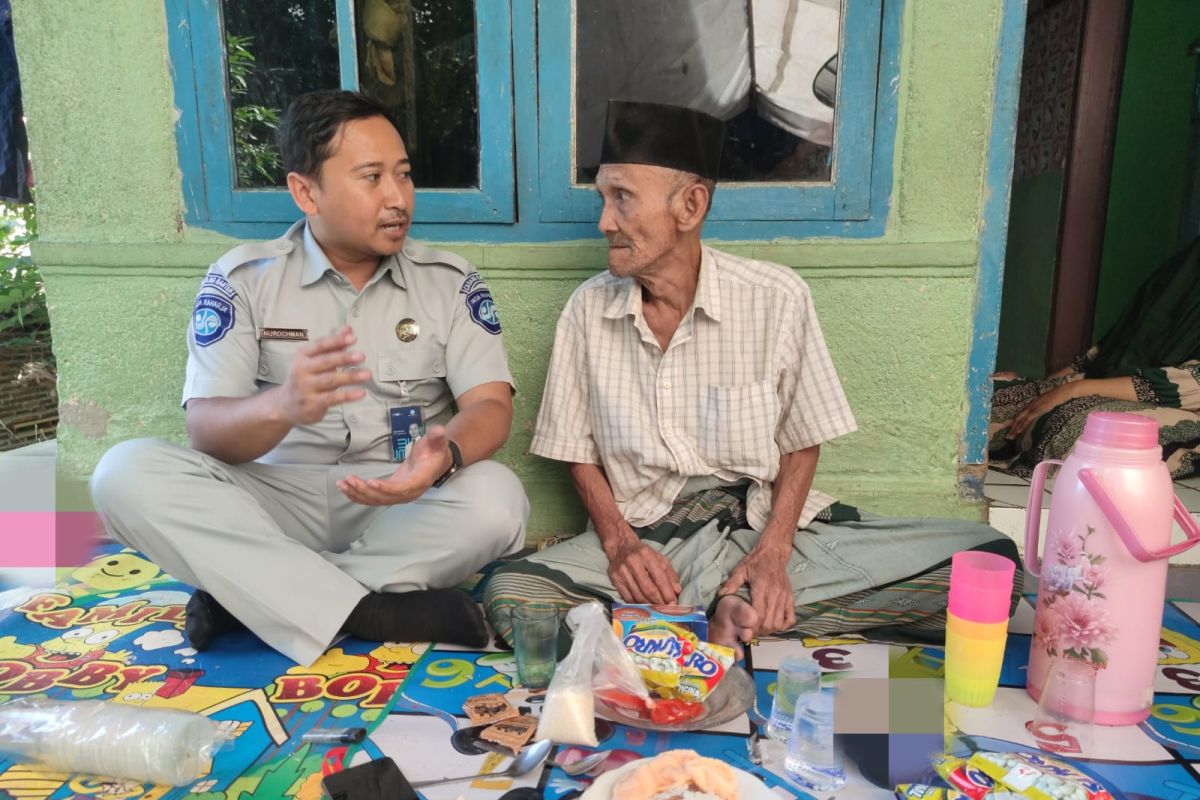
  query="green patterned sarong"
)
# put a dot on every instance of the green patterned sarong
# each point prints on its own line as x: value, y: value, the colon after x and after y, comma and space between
x: 851, y: 571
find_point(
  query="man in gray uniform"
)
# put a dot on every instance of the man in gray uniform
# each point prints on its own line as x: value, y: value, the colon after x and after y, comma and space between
x: 345, y: 388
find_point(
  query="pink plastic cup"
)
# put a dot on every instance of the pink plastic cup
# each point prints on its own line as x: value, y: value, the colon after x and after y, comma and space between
x: 981, y: 586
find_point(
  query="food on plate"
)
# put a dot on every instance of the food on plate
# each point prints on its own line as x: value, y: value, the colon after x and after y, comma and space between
x: 672, y: 712
x: 682, y: 774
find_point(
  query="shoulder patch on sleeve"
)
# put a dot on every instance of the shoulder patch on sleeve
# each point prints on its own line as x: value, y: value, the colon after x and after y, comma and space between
x: 421, y: 254
x: 215, y: 282
x: 255, y: 251
x: 212, y: 317
x: 480, y: 304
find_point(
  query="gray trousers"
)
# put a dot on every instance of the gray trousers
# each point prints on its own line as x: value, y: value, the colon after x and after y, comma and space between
x: 284, y: 550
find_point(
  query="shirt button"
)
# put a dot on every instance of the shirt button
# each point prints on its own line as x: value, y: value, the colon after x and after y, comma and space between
x: 263, y: 369
x: 390, y: 370
x: 354, y: 309
x: 354, y: 418
x: 666, y: 384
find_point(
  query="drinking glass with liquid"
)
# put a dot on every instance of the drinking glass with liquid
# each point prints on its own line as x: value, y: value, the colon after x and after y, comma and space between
x: 535, y: 643
x: 796, y: 677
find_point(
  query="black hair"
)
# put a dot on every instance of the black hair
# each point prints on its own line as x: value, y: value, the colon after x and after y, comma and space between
x: 308, y: 127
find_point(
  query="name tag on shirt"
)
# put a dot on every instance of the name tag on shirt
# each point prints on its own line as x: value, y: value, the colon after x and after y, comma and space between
x: 284, y: 334
x: 408, y: 425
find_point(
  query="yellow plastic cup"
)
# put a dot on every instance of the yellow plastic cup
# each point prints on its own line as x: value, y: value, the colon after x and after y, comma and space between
x: 976, y: 630
x: 973, y: 667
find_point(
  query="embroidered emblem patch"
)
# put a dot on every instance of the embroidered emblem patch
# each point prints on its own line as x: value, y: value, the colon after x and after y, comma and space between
x: 480, y: 303
x: 483, y: 310
x: 211, y: 319
x: 472, y: 283
x: 218, y: 282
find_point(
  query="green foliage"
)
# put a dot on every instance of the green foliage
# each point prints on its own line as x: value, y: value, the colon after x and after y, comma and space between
x: 255, y: 156
x: 24, y: 318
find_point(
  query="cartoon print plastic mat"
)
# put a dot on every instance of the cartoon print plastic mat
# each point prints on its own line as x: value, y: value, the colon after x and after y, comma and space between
x: 113, y: 631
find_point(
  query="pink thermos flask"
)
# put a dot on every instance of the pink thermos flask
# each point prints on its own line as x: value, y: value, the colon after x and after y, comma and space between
x: 1103, y: 571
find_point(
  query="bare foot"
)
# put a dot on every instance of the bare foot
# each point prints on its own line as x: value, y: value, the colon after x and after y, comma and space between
x: 733, y: 623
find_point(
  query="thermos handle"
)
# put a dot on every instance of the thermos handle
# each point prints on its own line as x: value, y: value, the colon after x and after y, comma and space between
x: 1033, y: 516
x: 1121, y: 525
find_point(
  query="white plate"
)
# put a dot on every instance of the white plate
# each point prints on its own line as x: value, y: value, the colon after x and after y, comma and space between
x: 749, y: 787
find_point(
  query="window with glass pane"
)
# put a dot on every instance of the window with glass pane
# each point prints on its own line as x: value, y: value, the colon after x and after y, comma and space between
x: 274, y: 50
x: 766, y: 67
x: 418, y: 57
x: 415, y: 56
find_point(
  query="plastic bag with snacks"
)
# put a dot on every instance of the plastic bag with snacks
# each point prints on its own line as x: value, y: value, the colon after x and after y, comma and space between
x: 596, y: 663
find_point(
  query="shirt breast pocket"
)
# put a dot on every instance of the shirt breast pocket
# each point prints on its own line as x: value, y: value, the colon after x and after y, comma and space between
x: 737, y: 427
x: 401, y: 372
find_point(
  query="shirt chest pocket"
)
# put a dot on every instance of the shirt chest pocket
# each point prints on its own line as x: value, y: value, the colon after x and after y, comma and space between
x: 402, y: 372
x: 736, y: 426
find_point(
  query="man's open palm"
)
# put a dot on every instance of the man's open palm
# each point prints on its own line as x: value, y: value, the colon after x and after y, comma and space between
x: 425, y: 463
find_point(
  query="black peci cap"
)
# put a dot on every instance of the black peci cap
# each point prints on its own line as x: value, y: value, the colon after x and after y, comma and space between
x: 664, y: 136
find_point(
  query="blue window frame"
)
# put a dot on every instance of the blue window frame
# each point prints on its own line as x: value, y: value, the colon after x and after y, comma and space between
x: 526, y: 165
x: 846, y: 197
x: 205, y: 127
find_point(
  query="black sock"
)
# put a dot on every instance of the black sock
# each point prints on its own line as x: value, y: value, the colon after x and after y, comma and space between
x: 429, y: 615
x: 206, y: 619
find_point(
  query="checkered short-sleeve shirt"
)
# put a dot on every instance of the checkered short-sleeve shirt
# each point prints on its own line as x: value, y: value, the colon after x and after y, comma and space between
x: 746, y: 378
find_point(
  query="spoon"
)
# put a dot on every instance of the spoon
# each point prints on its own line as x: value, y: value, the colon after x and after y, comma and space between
x: 586, y: 763
x: 753, y: 745
x: 529, y: 759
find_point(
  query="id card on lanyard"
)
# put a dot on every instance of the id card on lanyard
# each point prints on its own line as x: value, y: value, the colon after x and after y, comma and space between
x: 408, y: 425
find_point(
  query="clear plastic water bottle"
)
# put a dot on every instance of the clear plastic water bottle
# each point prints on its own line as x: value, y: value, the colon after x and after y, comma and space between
x: 812, y: 760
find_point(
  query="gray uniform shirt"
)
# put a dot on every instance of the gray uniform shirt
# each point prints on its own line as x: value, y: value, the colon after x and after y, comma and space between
x: 257, y: 298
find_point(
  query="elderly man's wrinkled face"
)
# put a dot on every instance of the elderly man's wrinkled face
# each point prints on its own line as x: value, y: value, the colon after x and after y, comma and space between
x: 637, y: 218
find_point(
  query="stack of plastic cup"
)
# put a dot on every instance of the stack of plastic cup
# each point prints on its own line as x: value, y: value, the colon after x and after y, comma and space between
x: 977, y: 625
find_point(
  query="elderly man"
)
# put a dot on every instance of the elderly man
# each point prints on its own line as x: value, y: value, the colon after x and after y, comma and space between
x: 345, y: 388
x: 690, y: 392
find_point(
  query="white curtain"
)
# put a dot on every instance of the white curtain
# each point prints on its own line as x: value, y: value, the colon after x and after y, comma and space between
x: 696, y: 53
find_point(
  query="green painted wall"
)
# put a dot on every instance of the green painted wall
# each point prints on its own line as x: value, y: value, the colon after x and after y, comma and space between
x: 121, y: 272
x: 1029, y: 264
x: 1150, y: 156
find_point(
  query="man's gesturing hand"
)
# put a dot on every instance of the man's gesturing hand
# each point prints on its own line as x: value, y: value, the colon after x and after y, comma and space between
x: 317, y: 379
x: 640, y: 573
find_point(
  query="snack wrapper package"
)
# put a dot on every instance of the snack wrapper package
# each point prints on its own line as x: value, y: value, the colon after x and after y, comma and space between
x: 970, y: 781
x: 675, y: 663
x: 1036, y: 776
x: 626, y: 615
x: 921, y: 791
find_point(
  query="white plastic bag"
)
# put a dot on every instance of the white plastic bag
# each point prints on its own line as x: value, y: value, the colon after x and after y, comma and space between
x: 149, y: 745
x: 597, y: 663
